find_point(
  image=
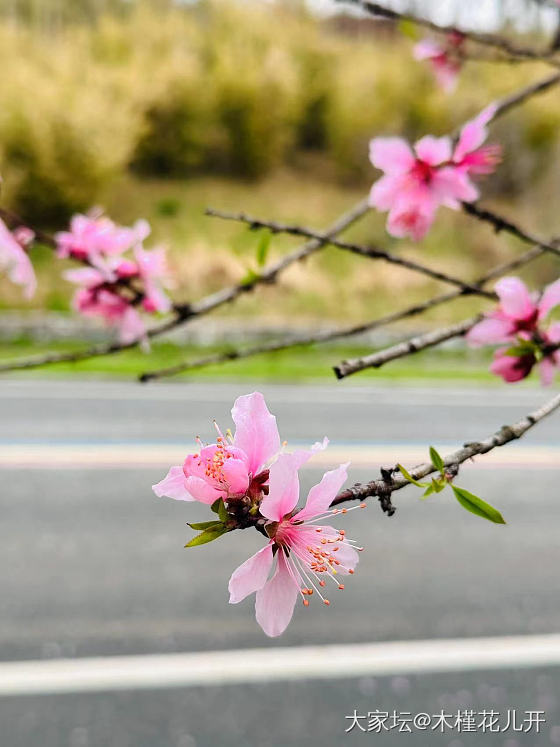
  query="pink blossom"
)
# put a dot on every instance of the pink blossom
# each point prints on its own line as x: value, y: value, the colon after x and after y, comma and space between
x: 234, y: 466
x: 418, y: 180
x: 15, y: 260
x: 97, y: 298
x: 444, y: 60
x: 95, y: 237
x: 152, y: 269
x: 469, y: 154
x: 517, y: 315
x: 521, y: 317
x: 306, y: 555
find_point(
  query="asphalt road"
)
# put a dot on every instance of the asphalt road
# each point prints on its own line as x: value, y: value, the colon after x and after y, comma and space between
x: 93, y: 564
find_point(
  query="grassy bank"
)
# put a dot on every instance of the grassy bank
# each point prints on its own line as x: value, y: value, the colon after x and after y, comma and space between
x: 310, y: 363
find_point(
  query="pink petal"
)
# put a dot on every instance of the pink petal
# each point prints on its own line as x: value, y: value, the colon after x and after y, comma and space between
x: 550, y: 299
x: 547, y: 370
x: 511, y: 368
x: 321, y: 495
x: 515, y: 299
x: 251, y: 575
x: 489, y: 331
x: 433, y: 150
x: 410, y: 221
x: 86, y: 276
x: 553, y: 333
x: 392, y: 155
x: 256, y: 432
x: 426, y: 49
x: 474, y: 133
x: 451, y: 186
x: 173, y: 485
x: 203, y: 491
x: 283, y: 487
x: 385, y: 192
x: 236, y: 476
x: 131, y: 327
x: 275, y: 602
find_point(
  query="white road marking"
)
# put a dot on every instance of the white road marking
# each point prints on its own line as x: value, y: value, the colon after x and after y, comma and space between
x: 133, y: 456
x: 277, y: 664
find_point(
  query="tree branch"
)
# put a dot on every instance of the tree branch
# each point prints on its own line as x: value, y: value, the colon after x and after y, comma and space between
x: 414, y: 345
x: 489, y: 40
x: 392, y: 480
x: 186, y: 312
x: 370, y: 252
x: 338, y: 333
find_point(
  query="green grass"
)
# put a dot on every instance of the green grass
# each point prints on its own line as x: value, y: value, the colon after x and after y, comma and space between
x: 310, y: 363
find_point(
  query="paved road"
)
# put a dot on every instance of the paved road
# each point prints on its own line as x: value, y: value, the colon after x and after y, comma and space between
x: 93, y: 564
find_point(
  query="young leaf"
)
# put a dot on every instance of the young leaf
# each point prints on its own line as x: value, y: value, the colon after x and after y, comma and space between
x: 202, y: 525
x: 222, y: 511
x: 429, y: 490
x: 436, y: 459
x: 411, y: 479
x: 477, y: 506
x: 262, y: 248
x: 209, y: 535
x: 250, y: 277
x: 215, y: 507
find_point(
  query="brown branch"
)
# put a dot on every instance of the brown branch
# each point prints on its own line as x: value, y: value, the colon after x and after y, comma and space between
x: 338, y: 333
x: 489, y: 40
x: 183, y: 313
x: 499, y: 223
x: 392, y: 480
x: 371, y: 252
x: 414, y: 345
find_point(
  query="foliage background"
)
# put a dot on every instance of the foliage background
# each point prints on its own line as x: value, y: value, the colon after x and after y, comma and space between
x: 155, y: 110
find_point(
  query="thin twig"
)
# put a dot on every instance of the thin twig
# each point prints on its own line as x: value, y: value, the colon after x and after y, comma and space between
x: 497, y: 42
x: 371, y: 252
x: 500, y: 223
x: 392, y: 479
x: 413, y: 345
x: 337, y: 333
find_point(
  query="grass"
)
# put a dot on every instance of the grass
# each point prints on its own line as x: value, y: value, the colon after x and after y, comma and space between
x: 311, y: 363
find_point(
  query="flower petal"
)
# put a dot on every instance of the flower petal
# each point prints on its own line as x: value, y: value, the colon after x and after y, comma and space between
x: 256, y: 432
x: 515, y: 299
x: 550, y: 298
x: 203, y: 491
x: 251, y: 575
x: 490, y: 331
x: 275, y: 602
x: 283, y: 486
x: 392, y: 155
x: 321, y: 495
x: 474, y: 133
x: 236, y: 476
x: 433, y: 150
x: 173, y: 485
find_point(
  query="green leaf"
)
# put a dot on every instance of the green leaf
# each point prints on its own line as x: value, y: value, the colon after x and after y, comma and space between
x: 222, y: 511
x: 437, y: 461
x: 438, y: 485
x: 262, y: 247
x: 250, y: 277
x: 209, y: 535
x: 215, y: 507
x: 429, y: 490
x: 477, y: 506
x: 205, y: 525
x: 411, y: 479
